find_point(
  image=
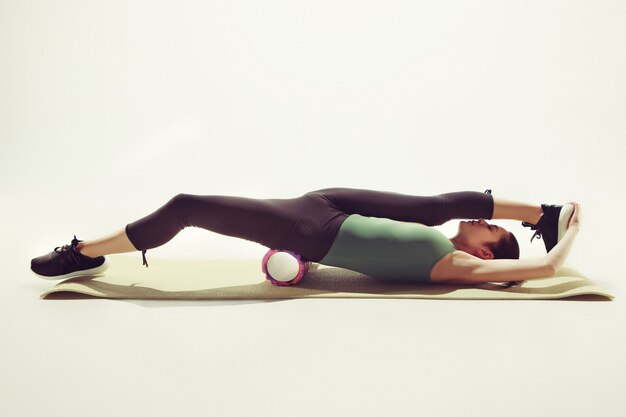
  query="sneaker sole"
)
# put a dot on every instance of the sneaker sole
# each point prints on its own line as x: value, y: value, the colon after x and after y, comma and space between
x: 92, y: 271
x: 564, y: 216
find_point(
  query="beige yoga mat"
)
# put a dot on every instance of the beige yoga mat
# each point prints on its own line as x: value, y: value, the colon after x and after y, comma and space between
x: 210, y: 279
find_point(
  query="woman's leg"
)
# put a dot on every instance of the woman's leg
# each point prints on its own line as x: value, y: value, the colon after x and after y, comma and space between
x: 516, y: 210
x: 429, y: 210
x: 114, y: 243
x: 306, y: 225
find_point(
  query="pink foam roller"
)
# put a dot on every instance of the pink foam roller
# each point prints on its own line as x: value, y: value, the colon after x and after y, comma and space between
x: 287, y: 267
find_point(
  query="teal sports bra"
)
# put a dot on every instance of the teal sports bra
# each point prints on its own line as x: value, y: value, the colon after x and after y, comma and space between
x: 387, y: 249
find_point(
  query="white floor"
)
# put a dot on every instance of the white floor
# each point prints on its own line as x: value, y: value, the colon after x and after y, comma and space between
x: 102, y: 357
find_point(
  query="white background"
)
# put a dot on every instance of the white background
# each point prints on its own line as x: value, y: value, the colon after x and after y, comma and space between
x: 110, y: 108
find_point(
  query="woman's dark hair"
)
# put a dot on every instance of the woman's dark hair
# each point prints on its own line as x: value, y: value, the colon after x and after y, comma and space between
x: 506, y: 248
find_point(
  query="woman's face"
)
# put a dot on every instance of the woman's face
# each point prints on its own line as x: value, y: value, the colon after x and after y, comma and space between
x: 479, y: 233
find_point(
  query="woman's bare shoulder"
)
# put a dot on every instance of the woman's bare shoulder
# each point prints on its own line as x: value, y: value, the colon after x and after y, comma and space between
x: 448, y: 266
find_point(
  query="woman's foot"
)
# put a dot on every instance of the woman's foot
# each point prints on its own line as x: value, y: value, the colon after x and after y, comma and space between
x: 552, y: 224
x: 66, y: 261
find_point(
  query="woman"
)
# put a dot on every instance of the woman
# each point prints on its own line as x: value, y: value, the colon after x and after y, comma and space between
x: 386, y: 235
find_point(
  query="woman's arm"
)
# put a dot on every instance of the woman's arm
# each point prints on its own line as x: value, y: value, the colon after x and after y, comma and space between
x: 476, y: 271
x: 558, y: 254
x: 473, y: 270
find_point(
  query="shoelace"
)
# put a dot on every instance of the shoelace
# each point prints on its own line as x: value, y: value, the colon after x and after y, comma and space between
x: 534, y: 227
x: 69, y: 255
x: 143, y: 254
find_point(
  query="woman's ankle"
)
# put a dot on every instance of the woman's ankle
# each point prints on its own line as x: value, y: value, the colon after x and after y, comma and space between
x: 80, y: 247
x: 516, y: 210
x: 535, y: 217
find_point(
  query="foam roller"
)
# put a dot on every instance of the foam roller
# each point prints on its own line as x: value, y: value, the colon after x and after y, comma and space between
x: 283, y: 267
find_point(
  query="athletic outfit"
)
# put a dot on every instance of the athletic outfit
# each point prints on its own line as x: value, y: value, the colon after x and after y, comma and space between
x: 372, y: 232
x: 388, y: 249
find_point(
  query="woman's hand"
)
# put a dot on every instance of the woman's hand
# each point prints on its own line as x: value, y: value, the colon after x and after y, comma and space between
x: 559, y: 253
x: 574, y: 221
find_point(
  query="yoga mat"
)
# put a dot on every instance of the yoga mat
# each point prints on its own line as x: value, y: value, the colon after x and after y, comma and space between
x: 210, y: 279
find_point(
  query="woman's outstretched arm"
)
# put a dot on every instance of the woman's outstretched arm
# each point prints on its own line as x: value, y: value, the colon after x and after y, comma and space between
x: 469, y: 269
x: 557, y: 256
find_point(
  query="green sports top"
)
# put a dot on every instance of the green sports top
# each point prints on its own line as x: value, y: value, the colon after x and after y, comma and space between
x: 387, y: 249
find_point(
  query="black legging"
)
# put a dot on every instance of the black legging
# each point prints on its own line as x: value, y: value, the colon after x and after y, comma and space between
x: 307, y: 224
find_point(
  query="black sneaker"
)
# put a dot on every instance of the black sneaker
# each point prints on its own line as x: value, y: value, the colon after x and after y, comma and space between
x: 552, y: 224
x: 66, y: 261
